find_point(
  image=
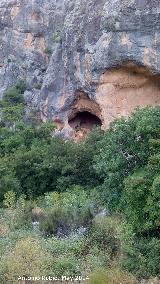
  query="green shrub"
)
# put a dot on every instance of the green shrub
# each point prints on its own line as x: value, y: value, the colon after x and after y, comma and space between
x: 12, y: 107
x: 48, y: 51
x: 56, y: 37
x: 12, y: 114
x: 55, y: 222
x: 78, y: 247
x: 142, y: 258
x: 4, y: 228
x: 21, y: 86
x: 13, y: 96
x: 52, y: 199
x: 9, y: 199
x: 37, y: 214
x: 21, y: 201
x: 24, y: 214
x: 8, y: 182
x: 28, y: 258
x: 96, y: 258
x: 111, y: 276
x: 37, y: 86
x: 141, y: 196
x: 67, y: 211
x: 68, y: 266
x: 21, y: 216
x: 105, y: 235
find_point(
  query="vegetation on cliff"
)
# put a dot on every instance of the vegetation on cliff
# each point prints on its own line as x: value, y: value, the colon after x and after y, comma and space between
x: 67, y: 188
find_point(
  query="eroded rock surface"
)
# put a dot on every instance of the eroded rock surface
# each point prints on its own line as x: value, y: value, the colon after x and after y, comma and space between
x: 107, y: 50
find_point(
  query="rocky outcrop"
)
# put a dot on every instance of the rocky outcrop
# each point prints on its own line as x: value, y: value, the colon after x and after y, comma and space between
x: 107, y: 50
x: 27, y: 31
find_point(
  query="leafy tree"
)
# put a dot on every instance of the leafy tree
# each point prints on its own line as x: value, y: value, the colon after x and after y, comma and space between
x: 124, y: 148
x: 8, y: 180
x: 142, y: 196
x: 12, y: 97
x: 12, y: 107
x: 142, y: 258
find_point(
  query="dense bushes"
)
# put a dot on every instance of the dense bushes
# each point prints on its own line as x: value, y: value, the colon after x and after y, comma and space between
x: 28, y: 253
x: 28, y: 258
x: 104, y: 234
x: 33, y: 162
x: 128, y: 163
x: 63, y: 185
x: 12, y: 105
x: 125, y: 148
x: 46, y: 165
x: 142, y: 258
x: 67, y: 211
x: 112, y: 276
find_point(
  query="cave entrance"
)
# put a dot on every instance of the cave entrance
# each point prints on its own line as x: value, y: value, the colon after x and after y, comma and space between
x: 84, y: 120
x: 84, y: 116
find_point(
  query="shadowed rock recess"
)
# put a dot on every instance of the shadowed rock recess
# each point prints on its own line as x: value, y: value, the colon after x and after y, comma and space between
x: 85, y: 62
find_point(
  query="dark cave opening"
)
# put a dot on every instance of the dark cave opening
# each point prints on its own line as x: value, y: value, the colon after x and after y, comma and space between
x: 84, y: 120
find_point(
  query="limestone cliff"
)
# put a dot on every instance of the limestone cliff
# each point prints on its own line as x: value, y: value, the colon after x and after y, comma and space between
x: 82, y: 60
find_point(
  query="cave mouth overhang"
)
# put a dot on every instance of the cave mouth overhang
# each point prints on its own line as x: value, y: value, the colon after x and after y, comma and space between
x: 84, y: 119
x: 85, y: 113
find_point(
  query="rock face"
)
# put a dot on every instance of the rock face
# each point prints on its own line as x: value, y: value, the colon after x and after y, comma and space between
x: 97, y: 57
x: 27, y: 30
